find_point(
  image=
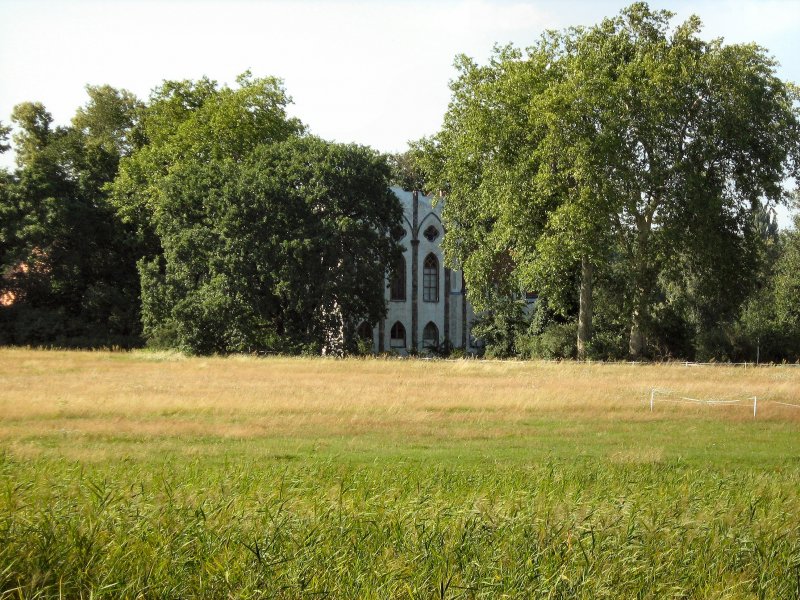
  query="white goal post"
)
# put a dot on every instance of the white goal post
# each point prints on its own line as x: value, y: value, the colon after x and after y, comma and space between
x: 670, y: 396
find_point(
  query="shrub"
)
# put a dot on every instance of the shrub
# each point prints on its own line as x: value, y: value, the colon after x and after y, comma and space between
x: 556, y: 341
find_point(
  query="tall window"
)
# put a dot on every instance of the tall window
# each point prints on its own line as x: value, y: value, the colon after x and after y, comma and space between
x: 397, y: 336
x: 397, y: 287
x: 430, y: 279
x: 430, y: 336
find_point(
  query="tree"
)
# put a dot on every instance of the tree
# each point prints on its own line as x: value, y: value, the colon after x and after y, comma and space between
x: 67, y: 264
x: 405, y: 171
x: 195, y: 121
x: 255, y: 237
x: 482, y: 160
x: 283, y: 250
x: 628, y: 141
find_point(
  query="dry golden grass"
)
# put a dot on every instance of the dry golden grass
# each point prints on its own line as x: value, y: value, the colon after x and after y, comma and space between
x: 162, y: 394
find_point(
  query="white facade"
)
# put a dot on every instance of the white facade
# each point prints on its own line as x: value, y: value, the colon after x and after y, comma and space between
x: 435, y: 311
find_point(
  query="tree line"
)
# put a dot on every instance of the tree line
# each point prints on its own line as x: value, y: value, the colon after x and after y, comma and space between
x: 205, y: 219
x: 626, y: 173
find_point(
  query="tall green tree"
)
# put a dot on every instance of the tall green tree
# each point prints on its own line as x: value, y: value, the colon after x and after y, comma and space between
x: 68, y: 269
x: 255, y: 237
x: 628, y: 141
x: 284, y: 250
x: 190, y: 121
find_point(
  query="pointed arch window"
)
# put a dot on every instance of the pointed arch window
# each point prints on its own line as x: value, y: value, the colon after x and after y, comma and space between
x: 397, y: 336
x: 397, y: 286
x: 430, y: 336
x: 430, y: 278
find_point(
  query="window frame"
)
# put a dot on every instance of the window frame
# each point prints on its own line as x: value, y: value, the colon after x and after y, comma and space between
x: 430, y: 279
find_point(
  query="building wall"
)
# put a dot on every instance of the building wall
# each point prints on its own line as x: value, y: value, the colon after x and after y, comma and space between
x: 451, y: 314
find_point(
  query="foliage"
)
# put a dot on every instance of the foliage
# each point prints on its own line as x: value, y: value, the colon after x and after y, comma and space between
x: 500, y: 327
x: 548, y: 334
x: 272, y: 252
x: 556, y: 341
x: 195, y: 122
x: 67, y: 264
x: 246, y: 236
x: 787, y: 280
x: 406, y: 172
x: 256, y: 238
x: 5, y: 131
x: 631, y: 142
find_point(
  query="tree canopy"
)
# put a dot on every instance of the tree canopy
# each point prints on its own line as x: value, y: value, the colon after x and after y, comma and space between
x: 631, y: 143
x: 624, y: 173
x: 248, y: 235
x: 287, y: 251
x: 67, y: 264
x: 196, y: 121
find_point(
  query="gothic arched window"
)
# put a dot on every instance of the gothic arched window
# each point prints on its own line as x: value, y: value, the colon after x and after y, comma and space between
x: 397, y: 287
x: 397, y: 336
x: 430, y: 278
x: 430, y: 336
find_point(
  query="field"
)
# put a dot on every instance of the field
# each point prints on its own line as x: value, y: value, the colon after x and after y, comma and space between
x: 158, y: 476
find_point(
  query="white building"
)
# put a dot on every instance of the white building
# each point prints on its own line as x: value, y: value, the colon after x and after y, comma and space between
x: 427, y: 306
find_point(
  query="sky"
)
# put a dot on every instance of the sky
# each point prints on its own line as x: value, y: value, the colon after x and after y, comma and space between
x: 374, y: 73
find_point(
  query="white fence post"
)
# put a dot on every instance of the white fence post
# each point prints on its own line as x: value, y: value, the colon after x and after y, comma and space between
x: 755, y: 405
x: 652, y: 393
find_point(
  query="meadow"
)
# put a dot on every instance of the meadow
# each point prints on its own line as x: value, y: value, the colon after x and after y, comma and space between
x: 154, y: 475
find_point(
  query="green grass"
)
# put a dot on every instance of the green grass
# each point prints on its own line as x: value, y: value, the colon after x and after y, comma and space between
x: 454, y: 498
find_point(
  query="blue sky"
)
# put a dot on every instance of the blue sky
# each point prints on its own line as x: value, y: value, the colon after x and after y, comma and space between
x: 374, y: 73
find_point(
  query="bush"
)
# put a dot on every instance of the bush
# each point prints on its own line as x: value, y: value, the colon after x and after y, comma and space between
x: 608, y: 344
x: 556, y: 341
x: 363, y: 347
x: 501, y: 328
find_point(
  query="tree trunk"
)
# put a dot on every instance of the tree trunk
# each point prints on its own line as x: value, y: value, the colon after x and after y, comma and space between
x: 636, y: 344
x: 586, y: 308
x: 641, y: 289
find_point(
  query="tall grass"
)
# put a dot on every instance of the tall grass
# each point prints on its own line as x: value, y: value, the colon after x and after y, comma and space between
x: 556, y: 530
x: 163, y: 477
